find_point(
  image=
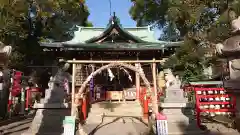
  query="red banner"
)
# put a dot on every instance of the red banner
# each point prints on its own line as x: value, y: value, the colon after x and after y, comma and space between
x: 16, y: 84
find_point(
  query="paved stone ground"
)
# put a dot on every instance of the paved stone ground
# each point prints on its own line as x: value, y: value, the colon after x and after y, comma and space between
x: 219, y: 129
x: 16, y: 128
x: 121, y: 128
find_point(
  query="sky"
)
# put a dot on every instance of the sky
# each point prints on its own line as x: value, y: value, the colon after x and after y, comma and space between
x: 100, y: 13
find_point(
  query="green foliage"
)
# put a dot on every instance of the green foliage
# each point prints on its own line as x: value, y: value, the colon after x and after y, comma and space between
x: 170, y: 33
x: 54, y: 20
x: 200, y: 23
x: 187, y: 61
x: 184, y: 14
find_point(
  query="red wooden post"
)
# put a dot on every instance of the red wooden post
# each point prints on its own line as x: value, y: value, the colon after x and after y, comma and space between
x: 141, y: 95
x: 197, y: 106
x: 234, y: 105
x: 28, y: 100
x: 145, y: 101
x: 145, y: 107
x: 84, y: 108
x: 10, y: 101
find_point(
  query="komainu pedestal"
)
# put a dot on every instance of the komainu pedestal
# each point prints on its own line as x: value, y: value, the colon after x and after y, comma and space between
x: 51, y: 113
x: 179, y: 113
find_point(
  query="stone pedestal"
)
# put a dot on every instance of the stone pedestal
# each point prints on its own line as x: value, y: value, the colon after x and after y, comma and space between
x: 179, y: 113
x: 49, y: 118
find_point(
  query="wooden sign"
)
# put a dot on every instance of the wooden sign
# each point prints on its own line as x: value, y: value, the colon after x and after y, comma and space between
x: 162, y: 126
x: 78, y: 76
x: 114, y: 95
x: 69, y: 125
x: 130, y: 94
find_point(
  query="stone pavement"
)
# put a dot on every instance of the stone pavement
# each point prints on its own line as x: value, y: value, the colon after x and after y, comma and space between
x: 16, y: 128
x: 213, y: 129
x: 121, y: 127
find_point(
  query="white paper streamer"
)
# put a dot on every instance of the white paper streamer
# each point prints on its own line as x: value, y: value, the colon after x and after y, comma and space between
x: 110, y: 74
x: 129, y: 76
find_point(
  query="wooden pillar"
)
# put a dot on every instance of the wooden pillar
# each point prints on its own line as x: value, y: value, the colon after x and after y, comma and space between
x: 73, y: 89
x: 91, y: 92
x: 137, y: 76
x: 154, y: 74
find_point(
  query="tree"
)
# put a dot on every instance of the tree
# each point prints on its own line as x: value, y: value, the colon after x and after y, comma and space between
x: 52, y: 20
x: 200, y: 23
x: 186, y: 15
x: 170, y: 33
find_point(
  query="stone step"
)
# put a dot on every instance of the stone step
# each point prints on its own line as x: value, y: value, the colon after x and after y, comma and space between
x: 116, y: 127
x: 176, y: 119
x: 109, y: 105
x: 115, y: 118
x: 117, y: 113
x: 101, y: 110
x: 176, y: 105
x: 178, y: 111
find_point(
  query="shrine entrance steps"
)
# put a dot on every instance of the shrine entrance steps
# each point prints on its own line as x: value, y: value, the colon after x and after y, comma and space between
x: 116, y: 118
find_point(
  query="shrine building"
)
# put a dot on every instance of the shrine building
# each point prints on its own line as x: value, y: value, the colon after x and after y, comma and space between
x: 112, y: 43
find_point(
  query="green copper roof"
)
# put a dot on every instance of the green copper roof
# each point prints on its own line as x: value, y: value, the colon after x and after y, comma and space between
x: 86, y: 33
x: 85, y: 38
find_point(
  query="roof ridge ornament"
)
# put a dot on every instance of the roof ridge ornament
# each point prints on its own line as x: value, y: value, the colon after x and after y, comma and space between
x: 114, y: 20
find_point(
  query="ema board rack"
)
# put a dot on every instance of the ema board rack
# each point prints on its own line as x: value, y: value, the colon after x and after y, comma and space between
x: 214, y: 101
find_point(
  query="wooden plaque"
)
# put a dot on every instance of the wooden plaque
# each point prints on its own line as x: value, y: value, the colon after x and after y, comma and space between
x: 114, y: 95
x: 79, y: 76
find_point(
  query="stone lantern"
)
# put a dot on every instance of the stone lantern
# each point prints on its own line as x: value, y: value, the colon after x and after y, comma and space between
x: 230, y: 50
x: 5, y: 52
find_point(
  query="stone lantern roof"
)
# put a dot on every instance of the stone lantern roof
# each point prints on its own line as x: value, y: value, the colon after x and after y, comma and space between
x: 5, y: 52
x: 231, y: 46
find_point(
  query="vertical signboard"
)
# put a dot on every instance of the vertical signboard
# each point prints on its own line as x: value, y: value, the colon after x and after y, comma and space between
x: 69, y: 125
x: 162, y: 126
x: 78, y: 75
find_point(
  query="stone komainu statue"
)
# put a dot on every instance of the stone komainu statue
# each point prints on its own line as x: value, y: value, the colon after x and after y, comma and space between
x: 169, y: 78
x: 5, y: 49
